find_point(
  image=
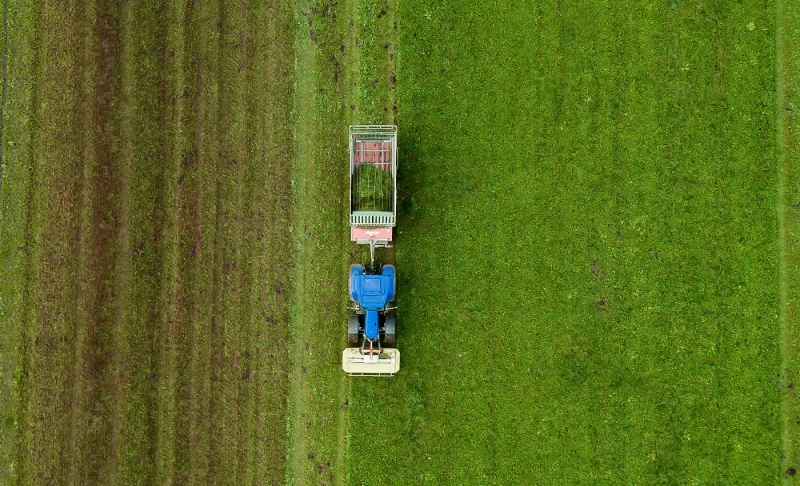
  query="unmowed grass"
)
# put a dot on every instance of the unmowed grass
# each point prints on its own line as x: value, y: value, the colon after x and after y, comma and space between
x: 587, y: 248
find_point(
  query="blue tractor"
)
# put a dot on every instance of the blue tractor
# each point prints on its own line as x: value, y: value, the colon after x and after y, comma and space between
x: 372, y: 292
x: 373, y: 214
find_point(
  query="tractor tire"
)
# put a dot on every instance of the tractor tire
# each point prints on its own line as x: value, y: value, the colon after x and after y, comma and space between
x: 353, y: 326
x: 394, y: 280
x: 389, y: 327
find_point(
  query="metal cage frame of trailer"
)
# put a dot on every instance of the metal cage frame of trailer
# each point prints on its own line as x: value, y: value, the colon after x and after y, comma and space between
x: 374, y: 134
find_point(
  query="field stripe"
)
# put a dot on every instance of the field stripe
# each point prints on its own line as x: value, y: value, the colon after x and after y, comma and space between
x: 4, y: 98
x: 787, y: 67
x: 786, y: 450
x: 146, y: 452
x: 143, y: 187
x: 213, y: 149
x: 79, y: 362
x: 227, y: 288
x: 318, y: 398
x: 14, y: 223
x: 166, y: 339
x: 191, y: 241
x: 27, y: 314
x: 270, y: 140
x: 55, y: 226
x: 123, y: 241
x: 208, y: 320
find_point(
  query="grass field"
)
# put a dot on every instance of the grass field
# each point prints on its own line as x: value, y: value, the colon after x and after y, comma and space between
x: 146, y: 242
x: 588, y: 258
x: 597, y: 246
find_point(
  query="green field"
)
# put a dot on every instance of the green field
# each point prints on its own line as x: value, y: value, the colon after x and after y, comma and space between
x: 589, y: 262
x: 145, y: 242
x: 597, y: 244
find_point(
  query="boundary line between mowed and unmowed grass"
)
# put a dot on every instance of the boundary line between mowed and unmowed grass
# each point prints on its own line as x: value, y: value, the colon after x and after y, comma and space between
x: 787, y: 77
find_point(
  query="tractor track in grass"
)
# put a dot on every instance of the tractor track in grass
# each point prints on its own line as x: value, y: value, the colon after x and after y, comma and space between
x: 4, y: 96
x: 787, y: 452
x: 787, y: 63
x: 345, y: 52
x: 99, y: 226
x: 317, y: 405
x: 227, y: 278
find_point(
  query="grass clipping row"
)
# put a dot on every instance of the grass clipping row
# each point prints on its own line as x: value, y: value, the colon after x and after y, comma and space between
x: 372, y: 189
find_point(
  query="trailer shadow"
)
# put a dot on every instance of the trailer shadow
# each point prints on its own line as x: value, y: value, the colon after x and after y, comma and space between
x: 407, y: 179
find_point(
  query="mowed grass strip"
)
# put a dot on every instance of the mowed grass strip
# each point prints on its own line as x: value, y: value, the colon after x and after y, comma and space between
x: 19, y: 22
x: 263, y: 370
x: 18, y: 33
x: 587, y: 252
x: 58, y: 289
x: 143, y: 236
x: 318, y: 395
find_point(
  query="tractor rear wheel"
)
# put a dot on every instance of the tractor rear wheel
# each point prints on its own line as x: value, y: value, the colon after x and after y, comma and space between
x: 389, y: 335
x: 352, y: 329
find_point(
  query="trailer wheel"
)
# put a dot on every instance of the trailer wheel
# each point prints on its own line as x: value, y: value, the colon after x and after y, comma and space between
x: 352, y: 329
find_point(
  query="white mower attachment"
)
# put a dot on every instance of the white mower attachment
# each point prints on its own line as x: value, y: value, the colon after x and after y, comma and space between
x: 358, y: 362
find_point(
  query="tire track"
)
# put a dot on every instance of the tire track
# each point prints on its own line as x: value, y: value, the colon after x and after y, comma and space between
x: 190, y: 245
x: 206, y: 319
x: 4, y: 98
x: 191, y: 439
x: 227, y: 245
x: 123, y: 239
x: 80, y: 378
x: 172, y: 106
x: 145, y: 403
x: 213, y: 136
x: 99, y: 284
x: 786, y: 138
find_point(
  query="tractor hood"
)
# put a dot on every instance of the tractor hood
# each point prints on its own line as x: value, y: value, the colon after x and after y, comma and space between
x: 372, y: 292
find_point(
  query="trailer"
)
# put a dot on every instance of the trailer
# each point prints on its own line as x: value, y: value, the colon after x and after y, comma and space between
x: 373, y: 188
x: 373, y: 216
